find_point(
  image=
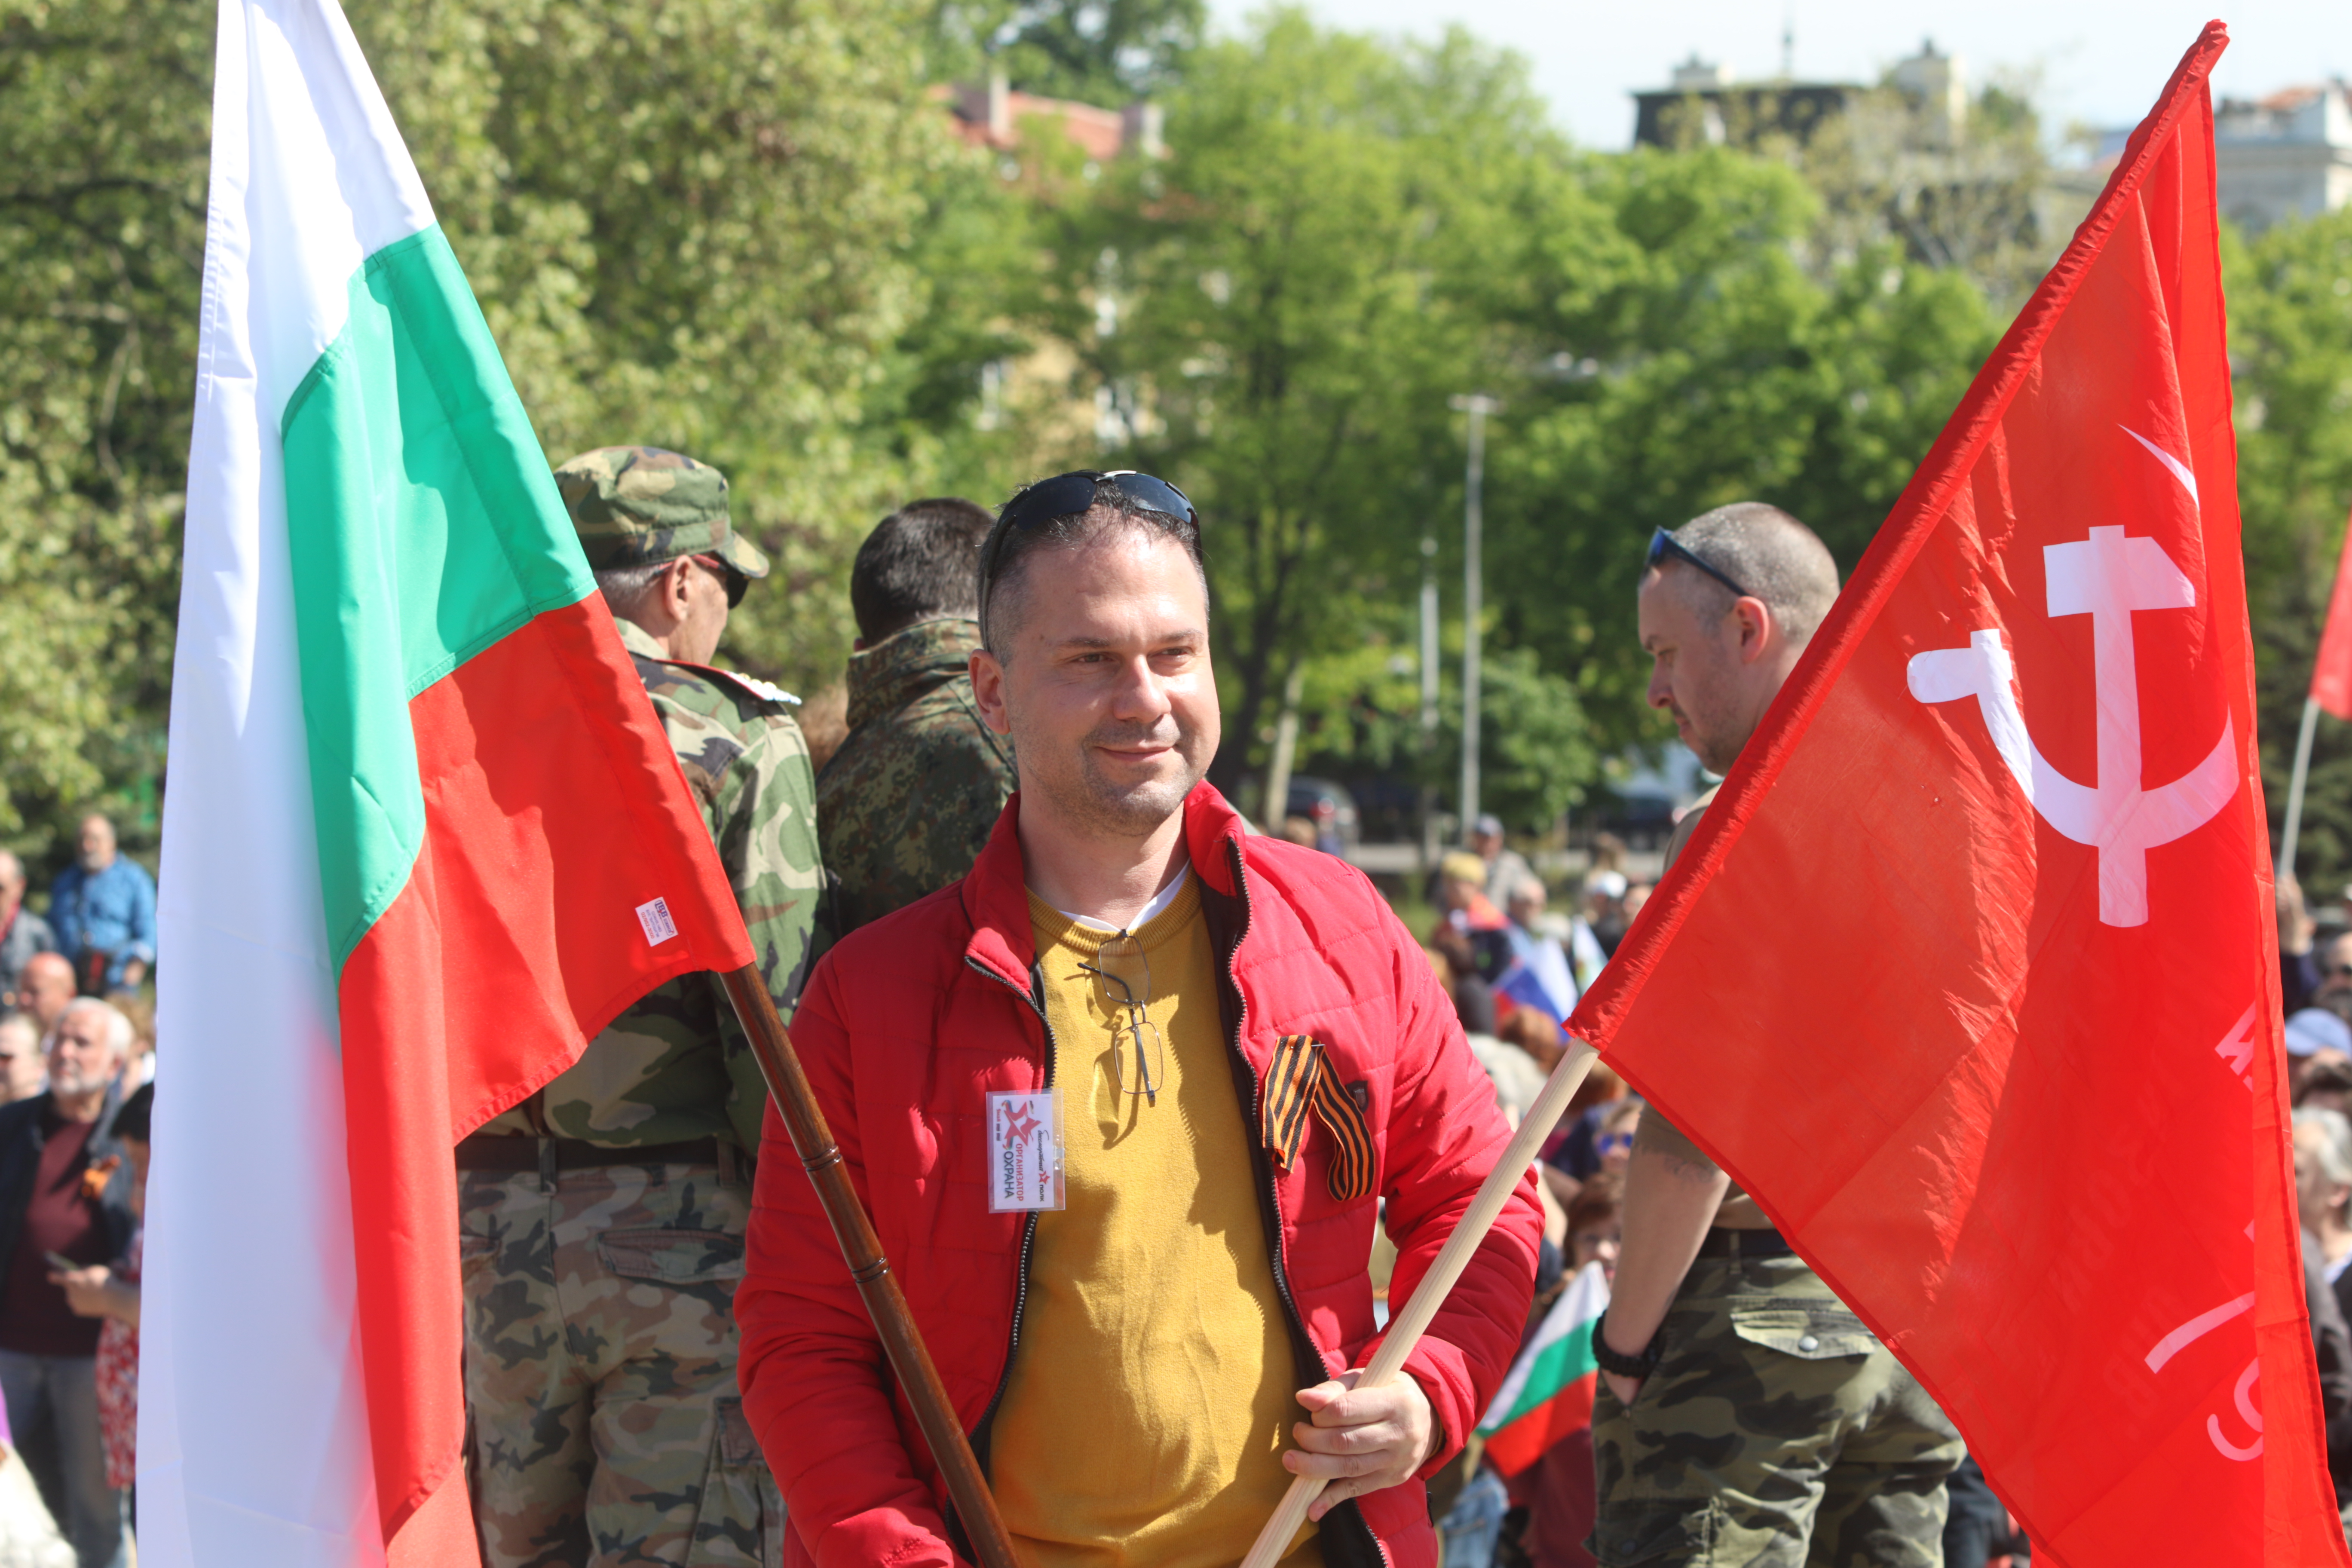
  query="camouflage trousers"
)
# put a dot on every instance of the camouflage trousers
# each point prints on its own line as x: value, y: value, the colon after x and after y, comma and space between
x: 600, y: 1371
x: 1775, y: 1432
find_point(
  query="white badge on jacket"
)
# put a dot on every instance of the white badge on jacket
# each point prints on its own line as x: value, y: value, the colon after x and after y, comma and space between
x: 1024, y: 1151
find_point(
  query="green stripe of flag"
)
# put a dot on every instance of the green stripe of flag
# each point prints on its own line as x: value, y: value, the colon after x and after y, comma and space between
x: 423, y: 529
x: 1556, y: 1366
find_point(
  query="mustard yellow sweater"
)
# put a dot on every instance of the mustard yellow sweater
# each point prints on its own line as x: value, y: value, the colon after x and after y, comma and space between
x: 1153, y: 1391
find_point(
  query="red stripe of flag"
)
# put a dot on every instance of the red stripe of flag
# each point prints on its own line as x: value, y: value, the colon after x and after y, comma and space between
x: 554, y: 806
x: 1525, y: 1440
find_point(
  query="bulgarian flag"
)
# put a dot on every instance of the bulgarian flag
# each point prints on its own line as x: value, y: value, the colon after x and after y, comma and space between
x: 1549, y: 1393
x: 424, y: 835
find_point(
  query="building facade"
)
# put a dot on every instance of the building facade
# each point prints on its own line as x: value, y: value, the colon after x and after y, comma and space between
x: 1704, y: 103
x: 2287, y: 155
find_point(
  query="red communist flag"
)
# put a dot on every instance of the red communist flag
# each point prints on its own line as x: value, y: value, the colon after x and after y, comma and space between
x: 1969, y: 975
x: 2331, y: 672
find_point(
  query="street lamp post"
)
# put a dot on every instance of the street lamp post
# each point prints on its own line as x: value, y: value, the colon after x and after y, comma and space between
x: 1428, y: 696
x: 1478, y: 406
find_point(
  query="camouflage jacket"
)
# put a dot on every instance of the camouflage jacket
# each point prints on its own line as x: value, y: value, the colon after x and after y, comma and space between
x: 677, y: 1066
x: 906, y: 804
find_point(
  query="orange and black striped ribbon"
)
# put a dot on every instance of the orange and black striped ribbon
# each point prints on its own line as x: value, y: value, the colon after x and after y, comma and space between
x: 1296, y: 1059
x: 1299, y: 1079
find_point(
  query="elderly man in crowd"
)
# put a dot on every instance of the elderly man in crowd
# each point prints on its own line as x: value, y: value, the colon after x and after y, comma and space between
x: 22, y: 933
x: 44, y: 986
x: 904, y: 806
x: 1144, y: 1287
x: 65, y: 1198
x: 103, y: 909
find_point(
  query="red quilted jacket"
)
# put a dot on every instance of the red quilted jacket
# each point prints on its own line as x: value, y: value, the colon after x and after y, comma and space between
x: 911, y: 1021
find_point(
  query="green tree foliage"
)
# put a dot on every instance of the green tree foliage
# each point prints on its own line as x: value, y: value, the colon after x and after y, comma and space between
x: 1096, y: 51
x: 1536, y: 757
x: 1976, y: 197
x: 1694, y: 361
x: 741, y: 227
x: 2290, y: 294
x: 689, y: 227
x: 1344, y: 235
x: 102, y: 110
x: 1275, y: 314
x: 690, y: 223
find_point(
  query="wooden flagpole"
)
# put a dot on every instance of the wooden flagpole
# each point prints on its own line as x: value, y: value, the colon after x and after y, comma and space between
x: 1406, y: 1329
x: 893, y: 1321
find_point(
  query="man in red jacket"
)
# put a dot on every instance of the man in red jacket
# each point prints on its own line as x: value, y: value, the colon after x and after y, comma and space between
x: 1124, y: 1103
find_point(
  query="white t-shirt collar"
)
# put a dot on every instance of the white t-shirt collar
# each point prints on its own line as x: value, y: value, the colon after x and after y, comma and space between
x: 1158, y: 906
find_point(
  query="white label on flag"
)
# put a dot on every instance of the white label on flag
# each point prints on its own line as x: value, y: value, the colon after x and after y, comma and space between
x: 1024, y: 1151
x: 655, y: 918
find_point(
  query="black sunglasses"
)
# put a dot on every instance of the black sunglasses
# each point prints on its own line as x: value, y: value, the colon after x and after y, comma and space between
x: 1664, y: 544
x: 737, y: 583
x: 1068, y: 495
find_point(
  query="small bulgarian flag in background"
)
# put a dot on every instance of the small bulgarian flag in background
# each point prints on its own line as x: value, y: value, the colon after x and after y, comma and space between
x: 1549, y: 1393
x: 424, y: 835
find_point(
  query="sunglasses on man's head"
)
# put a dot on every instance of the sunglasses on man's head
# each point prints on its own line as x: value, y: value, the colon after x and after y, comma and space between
x: 1068, y: 495
x: 1664, y: 546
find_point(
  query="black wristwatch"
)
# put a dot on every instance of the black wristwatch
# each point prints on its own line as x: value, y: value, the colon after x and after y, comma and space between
x: 1612, y: 1360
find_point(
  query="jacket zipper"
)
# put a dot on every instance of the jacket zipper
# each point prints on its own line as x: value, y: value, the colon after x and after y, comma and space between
x: 1270, y: 1195
x: 1257, y: 1108
x: 1273, y: 1193
x: 1028, y: 1223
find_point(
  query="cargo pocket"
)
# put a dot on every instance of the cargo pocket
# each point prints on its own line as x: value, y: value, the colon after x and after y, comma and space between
x: 1638, y: 1532
x: 673, y: 1257
x: 740, y: 1518
x: 1811, y: 1331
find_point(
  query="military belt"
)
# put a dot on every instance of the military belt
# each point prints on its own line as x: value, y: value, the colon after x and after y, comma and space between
x: 492, y: 1152
x: 1724, y: 1242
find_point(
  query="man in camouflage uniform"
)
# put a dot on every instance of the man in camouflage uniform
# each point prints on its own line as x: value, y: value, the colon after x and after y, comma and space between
x: 907, y: 802
x: 1746, y: 1416
x: 603, y: 1219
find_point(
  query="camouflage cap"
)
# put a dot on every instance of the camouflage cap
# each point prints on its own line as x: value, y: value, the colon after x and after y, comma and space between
x: 636, y: 505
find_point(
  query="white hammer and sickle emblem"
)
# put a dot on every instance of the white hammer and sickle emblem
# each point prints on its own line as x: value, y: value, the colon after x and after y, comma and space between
x: 2107, y: 576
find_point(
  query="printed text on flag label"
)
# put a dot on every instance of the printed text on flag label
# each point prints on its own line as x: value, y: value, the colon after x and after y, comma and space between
x: 654, y: 915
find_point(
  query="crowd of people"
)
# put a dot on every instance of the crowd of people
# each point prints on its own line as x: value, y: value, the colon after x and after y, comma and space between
x: 2316, y: 988
x: 77, y: 1065
x: 1132, y: 1089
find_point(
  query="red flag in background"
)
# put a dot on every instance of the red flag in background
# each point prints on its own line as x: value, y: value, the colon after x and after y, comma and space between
x: 1969, y: 975
x: 2331, y: 672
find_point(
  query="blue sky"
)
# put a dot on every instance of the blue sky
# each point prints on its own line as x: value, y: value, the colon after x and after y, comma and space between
x: 2096, y: 61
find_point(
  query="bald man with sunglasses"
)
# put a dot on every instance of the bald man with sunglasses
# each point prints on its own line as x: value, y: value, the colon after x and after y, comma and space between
x: 1124, y: 1102
x: 1745, y: 1416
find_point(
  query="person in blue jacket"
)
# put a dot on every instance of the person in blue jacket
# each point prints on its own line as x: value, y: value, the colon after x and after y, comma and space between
x: 102, y: 908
